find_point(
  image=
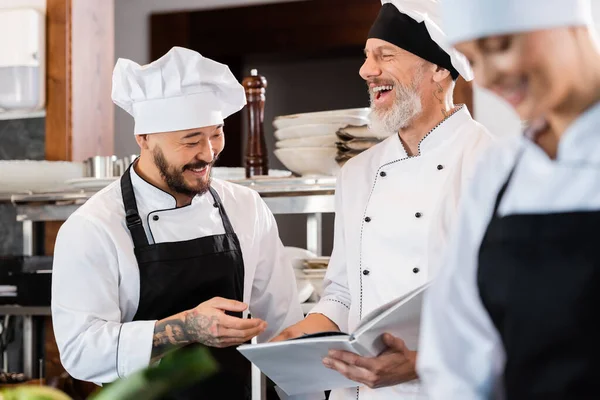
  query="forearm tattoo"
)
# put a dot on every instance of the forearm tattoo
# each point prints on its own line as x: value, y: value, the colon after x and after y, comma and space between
x: 178, y: 331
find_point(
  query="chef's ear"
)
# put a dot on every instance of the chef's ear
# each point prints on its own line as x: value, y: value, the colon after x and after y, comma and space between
x: 440, y: 74
x: 142, y: 141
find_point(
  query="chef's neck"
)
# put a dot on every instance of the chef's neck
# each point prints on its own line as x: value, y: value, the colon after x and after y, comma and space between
x: 433, y: 113
x: 148, y: 171
x: 579, y: 100
x: 583, y: 93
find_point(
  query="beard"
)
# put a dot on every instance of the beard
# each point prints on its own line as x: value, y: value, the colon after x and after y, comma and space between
x: 405, y: 108
x: 173, y: 176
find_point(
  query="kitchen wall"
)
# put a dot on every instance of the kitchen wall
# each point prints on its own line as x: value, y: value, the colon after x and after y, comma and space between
x: 20, y: 139
x: 132, y: 32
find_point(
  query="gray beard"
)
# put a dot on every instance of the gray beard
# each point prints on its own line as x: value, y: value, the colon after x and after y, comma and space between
x: 406, y: 107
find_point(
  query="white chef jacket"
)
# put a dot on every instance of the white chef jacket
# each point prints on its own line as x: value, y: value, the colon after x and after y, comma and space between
x: 461, y: 352
x: 409, y: 203
x: 95, y: 285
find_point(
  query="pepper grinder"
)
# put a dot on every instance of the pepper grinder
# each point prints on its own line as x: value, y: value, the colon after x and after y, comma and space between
x: 256, y: 160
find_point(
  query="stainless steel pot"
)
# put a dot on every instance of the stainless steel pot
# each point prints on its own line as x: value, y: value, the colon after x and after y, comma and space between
x: 107, y: 166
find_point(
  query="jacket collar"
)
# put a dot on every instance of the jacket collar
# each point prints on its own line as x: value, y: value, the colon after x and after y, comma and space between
x: 393, y: 149
x: 150, y: 197
x: 580, y: 143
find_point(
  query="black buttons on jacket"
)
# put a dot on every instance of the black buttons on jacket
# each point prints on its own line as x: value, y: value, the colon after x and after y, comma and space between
x: 416, y: 270
x: 155, y: 218
x: 418, y: 215
x: 367, y: 219
x: 440, y: 167
x: 216, y: 205
x: 382, y: 174
x: 366, y: 272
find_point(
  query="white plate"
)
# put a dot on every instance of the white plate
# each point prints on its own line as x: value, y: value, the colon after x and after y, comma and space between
x: 311, y: 141
x: 239, y: 173
x: 308, y: 131
x: 361, y: 132
x: 314, y: 271
x: 354, y: 116
x: 305, y: 289
x: 91, y: 183
x: 296, y: 256
x: 309, y: 161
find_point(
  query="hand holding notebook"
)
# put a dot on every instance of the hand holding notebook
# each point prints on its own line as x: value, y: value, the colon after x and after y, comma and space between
x: 296, y: 365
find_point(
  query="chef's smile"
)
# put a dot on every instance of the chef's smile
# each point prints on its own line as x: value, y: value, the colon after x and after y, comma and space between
x: 514, y: 93
x: 198, y: 172
x: 382, y: 93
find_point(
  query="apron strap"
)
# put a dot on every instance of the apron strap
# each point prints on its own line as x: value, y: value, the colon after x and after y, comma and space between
x: 505, y: 185
x: 226, y: 223
x: 132, y: 216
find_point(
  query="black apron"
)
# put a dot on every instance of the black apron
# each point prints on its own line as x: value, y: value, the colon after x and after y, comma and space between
x: 539, y: 279
x: 178, y: 276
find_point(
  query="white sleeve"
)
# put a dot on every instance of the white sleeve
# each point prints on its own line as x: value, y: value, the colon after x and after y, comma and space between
x: 336, y: 299
x: 460, y: 352
x: 94, y: 344
x: 274, y: 295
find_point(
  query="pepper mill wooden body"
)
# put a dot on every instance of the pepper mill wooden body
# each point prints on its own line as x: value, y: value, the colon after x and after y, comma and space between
x: 256, y: 160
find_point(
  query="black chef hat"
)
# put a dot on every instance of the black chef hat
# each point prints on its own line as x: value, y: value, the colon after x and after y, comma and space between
x: 401, y: 30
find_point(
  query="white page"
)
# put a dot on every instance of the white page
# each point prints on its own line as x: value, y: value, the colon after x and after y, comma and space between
x: 379, y: 311
x: 296, y: 365
x: 402, y: 320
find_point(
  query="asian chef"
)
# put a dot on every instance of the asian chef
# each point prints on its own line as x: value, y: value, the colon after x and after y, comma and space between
x: 166, y: 256
x: 396, y: 201
x: 513, y: 313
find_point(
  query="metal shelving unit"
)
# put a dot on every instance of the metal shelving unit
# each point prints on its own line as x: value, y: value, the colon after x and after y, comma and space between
x: 312, y: 197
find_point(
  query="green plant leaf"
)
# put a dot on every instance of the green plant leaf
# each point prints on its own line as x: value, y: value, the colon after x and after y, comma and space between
x: 32, y: 392
x: 178, y: 369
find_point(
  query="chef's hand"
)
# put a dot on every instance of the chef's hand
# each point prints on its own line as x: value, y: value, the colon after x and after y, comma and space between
x: 208, y: 324
x: 392, y: 367
x: 313, y: 323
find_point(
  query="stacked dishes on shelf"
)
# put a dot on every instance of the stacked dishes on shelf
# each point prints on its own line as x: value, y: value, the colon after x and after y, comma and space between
x: 353, y: 140
x: 309, y: 270
x: 307, y: 144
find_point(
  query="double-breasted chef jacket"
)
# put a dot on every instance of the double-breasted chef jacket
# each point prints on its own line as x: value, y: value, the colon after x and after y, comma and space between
x: 393, y: 213
x: 513, y: 312
x: 96, y: 279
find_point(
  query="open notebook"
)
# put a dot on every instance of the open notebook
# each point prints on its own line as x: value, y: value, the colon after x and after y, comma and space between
x: 296, y: 365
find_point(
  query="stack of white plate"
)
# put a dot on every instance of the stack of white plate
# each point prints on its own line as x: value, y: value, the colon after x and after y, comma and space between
x: 306, y: 143
x: 310, y: 271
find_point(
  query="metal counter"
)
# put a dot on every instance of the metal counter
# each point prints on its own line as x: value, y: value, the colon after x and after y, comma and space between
x: 310, y: 196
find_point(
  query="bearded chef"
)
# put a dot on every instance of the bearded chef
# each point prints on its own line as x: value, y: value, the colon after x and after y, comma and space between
x: 396, y: 201
x: 167, y: 257
x: 513, y: 314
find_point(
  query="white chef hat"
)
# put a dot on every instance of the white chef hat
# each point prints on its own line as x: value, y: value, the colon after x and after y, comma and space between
x: 473, y: 19
x: 181, y: 90
x: 420, y: 33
